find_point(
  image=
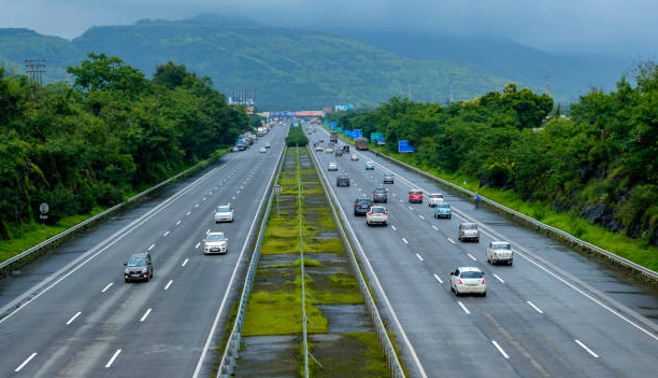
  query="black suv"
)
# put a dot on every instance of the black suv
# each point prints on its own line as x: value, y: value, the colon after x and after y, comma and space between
x: 139, y: 267
x: 379, y: 195
x: 362, y: 205
x: 343, y: 180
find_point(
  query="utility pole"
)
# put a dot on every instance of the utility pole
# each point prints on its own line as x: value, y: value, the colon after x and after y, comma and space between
x: 35, y: 69
x: 548, y: 87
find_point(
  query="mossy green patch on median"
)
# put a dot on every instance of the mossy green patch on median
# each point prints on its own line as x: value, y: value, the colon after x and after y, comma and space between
x: 279, y: 313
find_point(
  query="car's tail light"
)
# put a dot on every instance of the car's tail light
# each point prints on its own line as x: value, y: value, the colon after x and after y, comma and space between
x: 459, y: 281
x: 371, y: 213
x: 385, y: 213
x: 482, y: 283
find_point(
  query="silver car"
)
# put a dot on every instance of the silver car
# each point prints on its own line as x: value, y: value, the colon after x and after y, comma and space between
x: 500, y: 252
x: 468, y: 280
x: 224, y: 213
x: 215, y: 242
x: 469, y: 232
x: 377, y: 215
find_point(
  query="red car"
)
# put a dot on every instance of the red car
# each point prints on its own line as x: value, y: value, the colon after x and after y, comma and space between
x: 416, y: 196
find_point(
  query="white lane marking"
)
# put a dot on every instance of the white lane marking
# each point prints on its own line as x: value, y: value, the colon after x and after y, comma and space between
x: 463, y: 307
x: 401, y: 200
x: 166, y: 233
x: 74, y: 317
x: 586, y: 348
x: 535, y: 307
x: 419, y: 257
x: 188, y: 213
x: 107, y: 287
x: 471, y: 256
x: 27, y: 361
x: 197, y: 205
x: 421, y: 217
x: 451, y: 241
x: 168, y: 284
x: 434, y: 227
x: 436, y: 276
x: 184, y: 263
x: 498, y: 278
x: 146, y: 314
x: 151, y: 247
x: 203, y: 199
x: 393, y: 227
x: 499, y: 349
x: 197, y: 245
x: 207, y: 231
x: 114, y: 357
x: 405, y: 241
x: 411, y: 208
x: 179, y: 222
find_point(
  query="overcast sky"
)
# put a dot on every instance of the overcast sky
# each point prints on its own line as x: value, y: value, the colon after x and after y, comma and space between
x: 628, y: 27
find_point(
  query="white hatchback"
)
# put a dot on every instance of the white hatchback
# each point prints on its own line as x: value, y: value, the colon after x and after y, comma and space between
x: 377, y: 215
x: 468, y: 280
x: 215, y: 242
x: 224, y: 213
x: 500, y: 252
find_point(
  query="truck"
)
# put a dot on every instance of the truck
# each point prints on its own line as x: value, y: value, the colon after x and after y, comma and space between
x: 361, y: 144
x: 333, y: 137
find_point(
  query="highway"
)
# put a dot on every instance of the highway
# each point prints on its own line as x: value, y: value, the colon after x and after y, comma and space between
x: 554, y: 313
x: 76, y: 316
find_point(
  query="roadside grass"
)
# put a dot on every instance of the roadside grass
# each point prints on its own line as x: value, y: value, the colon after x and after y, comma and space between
x: 635, y: 250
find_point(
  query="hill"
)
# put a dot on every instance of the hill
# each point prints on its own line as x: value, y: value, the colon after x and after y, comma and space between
x: 290, y: 69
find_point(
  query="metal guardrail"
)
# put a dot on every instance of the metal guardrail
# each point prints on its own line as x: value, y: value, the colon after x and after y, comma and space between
x: 562, y: 235
x: 231, y: 352
x: 392, y: 360
x: 44, y: 246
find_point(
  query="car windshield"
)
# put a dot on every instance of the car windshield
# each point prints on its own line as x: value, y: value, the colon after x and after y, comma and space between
x: 471, y: 275
x: 215, y: 237
x: 378, y: 210
x: 380, y: 191
x: 223, y: 209
x: 502, y: 246
x: 469, y: 226
x: 136, y: 261
x: 363, y: 202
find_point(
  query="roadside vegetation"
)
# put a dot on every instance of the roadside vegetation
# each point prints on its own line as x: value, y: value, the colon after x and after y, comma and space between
x: 275, y: 304
x: 592, y: 172
x: 85, y: 148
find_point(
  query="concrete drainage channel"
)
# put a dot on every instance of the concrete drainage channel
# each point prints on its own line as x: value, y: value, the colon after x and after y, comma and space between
x: 342, y: 334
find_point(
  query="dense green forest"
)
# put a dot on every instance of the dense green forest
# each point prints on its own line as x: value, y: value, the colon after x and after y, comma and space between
x: 110, y: 134
x: 599, y: 162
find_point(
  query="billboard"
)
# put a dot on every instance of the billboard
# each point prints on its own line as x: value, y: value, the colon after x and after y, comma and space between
x: 356, y: 134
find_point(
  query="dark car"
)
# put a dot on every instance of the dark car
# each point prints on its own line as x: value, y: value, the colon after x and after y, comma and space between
x: 343, y: 180
x: 139, y: 267
x: 380, y: 195
x: 362, y: 205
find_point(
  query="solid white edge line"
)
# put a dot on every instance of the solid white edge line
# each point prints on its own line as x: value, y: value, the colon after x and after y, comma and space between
x: 438, y: 279
x: 146, y: 314
x: 463, y: 307
x: 500, y: 349
x: 114, y: 357
x: 535, y: 307
x: 27, y: 361
x: 586, y: 348
x: 74, y: 317
x: 107, y: 287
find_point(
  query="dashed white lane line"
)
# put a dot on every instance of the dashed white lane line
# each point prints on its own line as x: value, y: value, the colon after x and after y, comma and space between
x: 166, y: 233
x: 179, y: 222
x: 419, y: 257
x: 451, y: 241
x: 394, y: 229
x: 188, y: 213
x: 535, y: 307
x: 27, y: 361
x: 586, y: 348
x: 113, y: 358
x: 74, y: 317
x: 463, y: 307
x: 151, y: 247
x: 107, y: 287
x: 498, y: 278
x: 168, y: 284
x: 421, y: 217
x: 434, y: 227
x: 436, y: 276
x: 146, y: 314
x: 184, y: 262
x: 499, y: 349
x: 472, y: 257
x: 405, y: 241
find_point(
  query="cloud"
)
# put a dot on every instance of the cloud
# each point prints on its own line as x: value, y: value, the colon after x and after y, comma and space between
x: 555, y: 25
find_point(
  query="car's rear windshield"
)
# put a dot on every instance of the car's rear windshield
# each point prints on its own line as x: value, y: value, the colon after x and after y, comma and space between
x: 502, y: 246
x: 443, y: 206
x: 415, y: 192
x: 471, y: 275
x: 469, y: 226
x: 378, y: 210
x: 380, y: 190
x: 223, y: 209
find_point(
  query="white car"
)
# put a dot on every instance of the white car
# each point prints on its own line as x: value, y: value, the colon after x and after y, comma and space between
x: 354, y: 157
x: 318, y: 148
x: 377, y: 215
x: 263, y: 150
x: 267, y: 145
x: 224, y: 213
x: 500, y: 252
x: 434, y: 199
x: 215, y: 242
x: 333, y: 166
x: 329, y: 150
x: 468, y: 280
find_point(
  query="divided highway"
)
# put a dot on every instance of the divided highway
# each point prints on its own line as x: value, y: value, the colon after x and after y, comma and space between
x: 77, y: 317
x: 553, y: 313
